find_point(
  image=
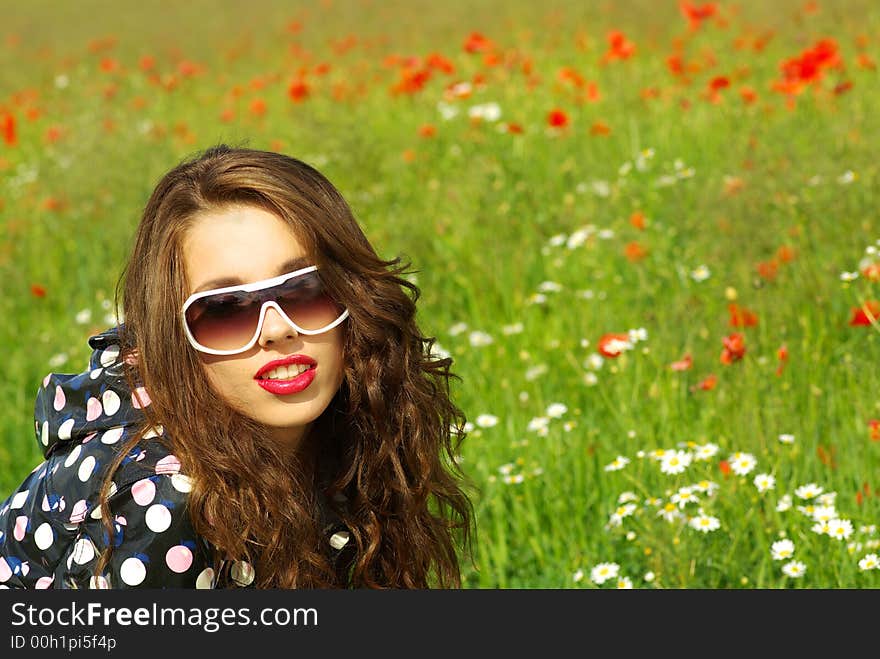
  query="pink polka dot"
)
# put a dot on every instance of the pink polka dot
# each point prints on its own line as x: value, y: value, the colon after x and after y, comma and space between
x: 143, y: 492
x: 44, y: 583
x: 168, y: 465
x: 89, y: 437
x: 93, y: 409
x: 78, y: 514
x: 5, y: 570
x: 179, y: 559
x: 60, y: 399
x: 46, y: 380
x: 20, y: 527
x: 140, y: 393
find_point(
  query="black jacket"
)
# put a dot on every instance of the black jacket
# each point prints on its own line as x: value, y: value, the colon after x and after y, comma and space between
x: 51, y: 532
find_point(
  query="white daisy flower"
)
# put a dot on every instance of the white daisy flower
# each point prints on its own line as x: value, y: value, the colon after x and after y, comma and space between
x: 808, y: 491
x: 742, y: 463
x: 782, y: 550
x: 704, y: 523
x: 617, y: 464
x: 794, y: 569
x: 764, y: 482
x: 603, y: 572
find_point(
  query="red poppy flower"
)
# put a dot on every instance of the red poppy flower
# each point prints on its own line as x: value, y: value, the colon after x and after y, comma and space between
x: 258, y: 107
x: 708, y: 383
x: 724, y: 466
x: 634, y: 251
x: 874, y: 426
x: 477, y: 43
x: 719, y: 82
x: 871, y: 271
x: 782, y: 355
x: 637, y: 219
x: 747, y: 94
x: 696, y: 14
x: 38, y: 291
x: 428, y: 130
x: 611, y: 345
x: 298, y: 90
x: 734, y: 348
x: 768, y: 269
x: 619, y: 47
x: 557, y: 118
x: 7, y: 127
x: 741, y: 317
x: 785, y: 253
x: 600, y: 128
x: 682, y: 364
x: 860, y: 314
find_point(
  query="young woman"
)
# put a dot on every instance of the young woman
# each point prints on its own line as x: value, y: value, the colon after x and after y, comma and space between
x: 268, y: 415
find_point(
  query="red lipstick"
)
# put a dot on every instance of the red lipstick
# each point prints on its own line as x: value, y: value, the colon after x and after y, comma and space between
x: 293, y: 385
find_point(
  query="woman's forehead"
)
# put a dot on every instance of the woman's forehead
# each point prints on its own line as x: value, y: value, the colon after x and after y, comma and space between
x: 238, y: 245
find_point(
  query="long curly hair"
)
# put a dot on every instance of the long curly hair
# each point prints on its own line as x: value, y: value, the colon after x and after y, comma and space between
x: 388, y: 438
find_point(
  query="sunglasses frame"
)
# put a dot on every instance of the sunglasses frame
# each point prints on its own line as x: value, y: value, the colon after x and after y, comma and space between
x: 250, y: 287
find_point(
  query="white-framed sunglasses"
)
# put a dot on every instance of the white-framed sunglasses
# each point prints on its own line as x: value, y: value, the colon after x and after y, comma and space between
x: 227, y: 321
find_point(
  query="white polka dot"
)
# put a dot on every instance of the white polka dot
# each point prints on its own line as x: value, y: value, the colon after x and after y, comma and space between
x: 143, y: 492
x: 44, y: 433
x: 133, y: 571
x: 43, y: 536
x: 140, y: 398
x: 86, y: 468
x: 112, y: 436
x: 109, y: 355
x: 59, y: 504
x: 83, y: 551
x: 339, y: 540
x: 46, y: 380
x: 19, y: 499
x: 99, y: 583
x: 44, y: 583
x: 168, y: 465
x: 155, y: 431
x: 60, y: 399
x: 204, y: 581
x: 93, y: 409
x: 66, y: 429
x: 73, y: 456
x: 158, y: 518
x: 111, y: 402
x: 181, y: 482
x: 96, y: 512
x: 243, y: 573
x: 95, y: 373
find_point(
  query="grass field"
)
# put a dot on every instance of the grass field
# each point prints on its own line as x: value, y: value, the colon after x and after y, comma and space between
x: 650, y: 242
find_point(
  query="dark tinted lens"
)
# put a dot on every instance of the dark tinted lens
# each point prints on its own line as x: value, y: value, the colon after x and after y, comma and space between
x: 225, y: 321
x: 303, y: 299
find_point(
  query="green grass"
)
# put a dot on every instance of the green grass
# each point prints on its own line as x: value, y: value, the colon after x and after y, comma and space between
x: 484, y: 216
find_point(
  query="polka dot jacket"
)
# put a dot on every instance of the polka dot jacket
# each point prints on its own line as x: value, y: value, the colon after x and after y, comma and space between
x: 51, y: 532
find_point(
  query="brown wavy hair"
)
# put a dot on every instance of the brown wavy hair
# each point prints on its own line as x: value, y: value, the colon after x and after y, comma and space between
x: 388, y: 438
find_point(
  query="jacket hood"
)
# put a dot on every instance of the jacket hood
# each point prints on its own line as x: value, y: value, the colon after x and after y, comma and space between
x: 72, y: 408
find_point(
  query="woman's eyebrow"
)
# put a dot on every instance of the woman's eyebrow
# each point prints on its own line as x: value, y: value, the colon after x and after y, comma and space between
x: 288, y: 266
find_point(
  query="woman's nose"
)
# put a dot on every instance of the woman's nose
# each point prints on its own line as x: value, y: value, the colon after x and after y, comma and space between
x: 275, y: 328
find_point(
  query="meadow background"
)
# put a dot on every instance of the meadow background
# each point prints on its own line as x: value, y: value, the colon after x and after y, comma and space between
x: 646, y: 231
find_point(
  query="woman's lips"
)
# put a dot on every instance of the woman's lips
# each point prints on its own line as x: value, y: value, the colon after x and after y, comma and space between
x: 291, y: 386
